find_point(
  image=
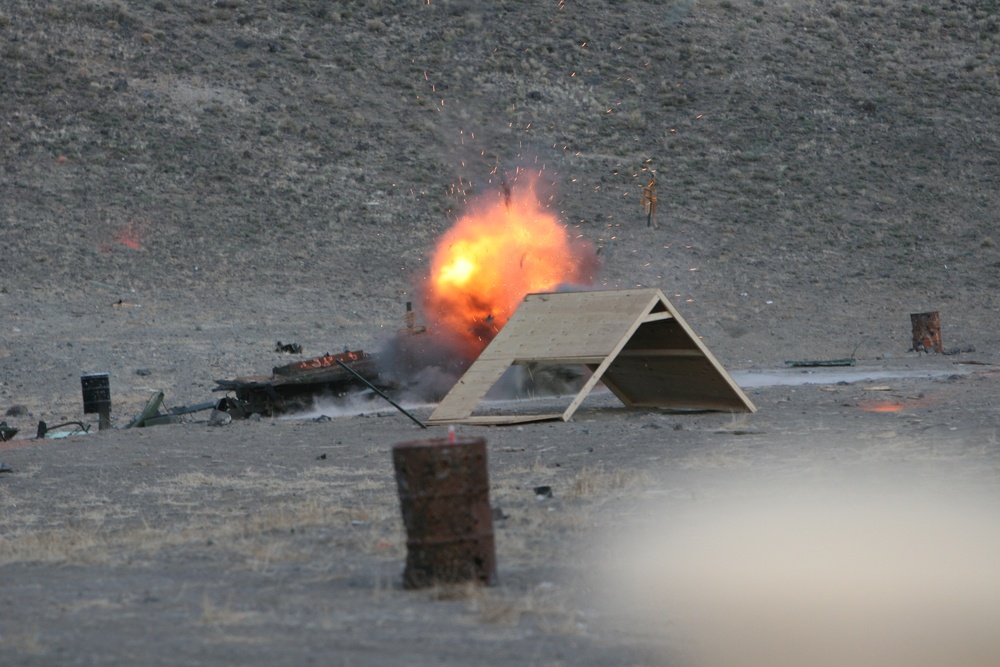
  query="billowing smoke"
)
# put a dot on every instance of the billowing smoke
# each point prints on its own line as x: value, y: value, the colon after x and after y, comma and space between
x: 423, y: 366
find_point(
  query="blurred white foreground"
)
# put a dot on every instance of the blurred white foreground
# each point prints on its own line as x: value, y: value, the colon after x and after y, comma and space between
x: 822, y: 576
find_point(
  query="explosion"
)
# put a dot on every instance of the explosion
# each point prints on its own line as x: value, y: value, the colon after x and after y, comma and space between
x: 493, y: 256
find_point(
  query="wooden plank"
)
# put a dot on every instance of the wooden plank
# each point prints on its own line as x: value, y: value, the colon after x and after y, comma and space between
x: 498, y: 420
x: 660, y: 353
x: 637, y: 320
x: 674, y: 383
x: 562, y: 361
x: 741, y: 398
x: 470, y: 390
x: 571, y: 324
x: 633, y: 340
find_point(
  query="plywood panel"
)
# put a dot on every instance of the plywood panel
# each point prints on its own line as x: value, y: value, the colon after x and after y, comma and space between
x: 571, y: 324
x: 688, y: 382
x: 661, y: 334
x: 633, y: 340
x: 470, y: 390
x: 500, y: 420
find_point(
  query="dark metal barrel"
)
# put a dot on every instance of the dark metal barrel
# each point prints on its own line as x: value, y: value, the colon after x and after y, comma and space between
x: 96, y: 392
x: 444, y: 495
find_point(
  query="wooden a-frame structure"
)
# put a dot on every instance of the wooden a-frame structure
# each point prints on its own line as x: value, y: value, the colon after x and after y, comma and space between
x: 634, y: 341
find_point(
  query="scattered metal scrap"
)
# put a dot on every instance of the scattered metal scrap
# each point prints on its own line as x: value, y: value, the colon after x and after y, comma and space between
x: 291, y: 387
x: 198, y: 407
x: 46, y: 431
x: 810, y: 363
x: 294, y: 387
x: 288, y: 348
x: 7, y: 432
x: 151, y: 415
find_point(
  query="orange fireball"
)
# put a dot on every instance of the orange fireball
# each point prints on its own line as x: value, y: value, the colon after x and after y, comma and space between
x: 495, y: 255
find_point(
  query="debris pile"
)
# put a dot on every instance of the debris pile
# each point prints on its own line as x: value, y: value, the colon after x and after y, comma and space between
x: 294, y: 387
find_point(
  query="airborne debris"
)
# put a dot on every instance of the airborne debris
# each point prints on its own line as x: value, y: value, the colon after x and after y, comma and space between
x: 542, y: 492
x: 46, y: 431
x: 289, y: 348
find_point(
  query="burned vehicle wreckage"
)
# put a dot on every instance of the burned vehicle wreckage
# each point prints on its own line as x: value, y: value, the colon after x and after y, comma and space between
x: 294, y: 387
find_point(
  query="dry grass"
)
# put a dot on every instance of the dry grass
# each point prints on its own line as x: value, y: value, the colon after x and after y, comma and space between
x: 717, y: 459
x: 225, y: 615
x: 503, y: 606
x: 55, y: 546
x: 596, y: 482
x: 23, y: 642
x: 222, y: 510
x: 550, y: 530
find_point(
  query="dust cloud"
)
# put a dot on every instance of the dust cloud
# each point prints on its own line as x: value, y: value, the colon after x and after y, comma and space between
x: 830, y: 575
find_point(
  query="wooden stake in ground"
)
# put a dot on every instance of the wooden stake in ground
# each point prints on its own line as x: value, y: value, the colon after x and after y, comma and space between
x: 649, y: 203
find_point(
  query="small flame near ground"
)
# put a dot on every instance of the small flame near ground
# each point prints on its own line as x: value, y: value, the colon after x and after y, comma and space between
x: 894, y: 405
x: 506, y: 246
x: 882, y: 406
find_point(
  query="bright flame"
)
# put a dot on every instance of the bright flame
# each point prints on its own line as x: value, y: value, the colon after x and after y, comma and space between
x: 495, y: 255
x: 895, y: 405
x: 881, y: 406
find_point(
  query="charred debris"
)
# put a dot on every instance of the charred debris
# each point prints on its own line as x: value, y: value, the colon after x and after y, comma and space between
x: 294, y: 387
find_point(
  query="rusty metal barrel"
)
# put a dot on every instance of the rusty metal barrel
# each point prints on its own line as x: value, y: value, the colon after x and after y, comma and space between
x: 926, y: 332
x: 444, y: 494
